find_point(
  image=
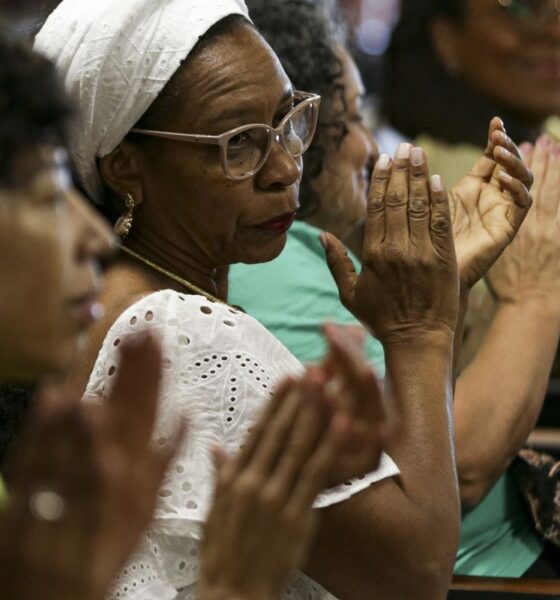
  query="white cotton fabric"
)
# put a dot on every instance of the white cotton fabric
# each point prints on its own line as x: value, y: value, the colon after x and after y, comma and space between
x: 220, y: 368
x: 115, y: 57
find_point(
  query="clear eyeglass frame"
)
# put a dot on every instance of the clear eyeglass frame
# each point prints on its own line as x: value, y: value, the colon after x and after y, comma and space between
x: 305, y: 102
x: 531, y: 13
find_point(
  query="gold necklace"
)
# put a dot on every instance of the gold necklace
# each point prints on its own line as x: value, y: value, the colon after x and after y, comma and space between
x: 170, y: 275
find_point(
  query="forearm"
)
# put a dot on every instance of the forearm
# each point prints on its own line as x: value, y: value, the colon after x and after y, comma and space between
x: 460, y: 329
x: 408, y: 524
x: 500, y: 394
x: 420, y: 385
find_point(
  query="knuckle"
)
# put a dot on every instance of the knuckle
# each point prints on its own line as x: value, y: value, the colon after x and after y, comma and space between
x: 418, y: 205
x: 392, y: 254
x: 417, y: 173
x: 400, y: 164
x: 440, y: 222
x: 376, y: 203
x: 379, y: 178
x: 397, y: 198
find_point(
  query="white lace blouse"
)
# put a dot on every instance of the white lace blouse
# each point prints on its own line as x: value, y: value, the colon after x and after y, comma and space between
x: 220, y: 367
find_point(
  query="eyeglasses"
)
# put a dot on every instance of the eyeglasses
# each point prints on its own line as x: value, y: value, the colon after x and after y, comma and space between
x: 244, y: 150
x: 533, y: 13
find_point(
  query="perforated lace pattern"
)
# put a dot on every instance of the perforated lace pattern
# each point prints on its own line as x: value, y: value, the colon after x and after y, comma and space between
x: 220, y: 367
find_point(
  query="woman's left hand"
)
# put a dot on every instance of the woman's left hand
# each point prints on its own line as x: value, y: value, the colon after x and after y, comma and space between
x: 261, y: 522
x: 85, y: 484
x: 489, y: 205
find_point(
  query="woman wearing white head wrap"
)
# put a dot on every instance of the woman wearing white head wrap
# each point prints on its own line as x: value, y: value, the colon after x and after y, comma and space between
x: 116, y: 58
x: 170, y: 93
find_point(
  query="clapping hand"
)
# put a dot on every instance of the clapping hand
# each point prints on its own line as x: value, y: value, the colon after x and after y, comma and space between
x: 408, y: 284
x: 489, y: 205
x: 85, y: 483
x: 530, y: 267
x: 261, y: 521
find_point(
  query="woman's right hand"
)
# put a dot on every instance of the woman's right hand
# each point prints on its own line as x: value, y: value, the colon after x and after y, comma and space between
x: 409, y: 281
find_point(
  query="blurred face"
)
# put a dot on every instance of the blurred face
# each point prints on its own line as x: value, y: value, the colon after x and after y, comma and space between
x: 50, y: 242
x: 190, y: 210
x: 509, y: 53
x: 343, y: 184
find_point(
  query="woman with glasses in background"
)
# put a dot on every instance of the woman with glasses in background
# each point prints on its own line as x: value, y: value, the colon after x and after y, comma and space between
x: 451, y: 65
x: 463, y: 61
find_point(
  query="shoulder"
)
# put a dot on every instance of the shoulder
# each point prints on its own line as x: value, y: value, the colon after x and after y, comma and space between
x: 191, y: 328
x: 168, y: 311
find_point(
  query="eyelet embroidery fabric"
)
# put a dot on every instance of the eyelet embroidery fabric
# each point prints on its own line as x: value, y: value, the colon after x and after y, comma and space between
x: 220, y: 367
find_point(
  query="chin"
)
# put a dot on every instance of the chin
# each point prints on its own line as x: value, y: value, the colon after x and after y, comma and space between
x: 263, y: 253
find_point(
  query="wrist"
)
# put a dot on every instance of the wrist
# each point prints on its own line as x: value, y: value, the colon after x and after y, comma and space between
x: 419, y: 339
x: 541, y: 306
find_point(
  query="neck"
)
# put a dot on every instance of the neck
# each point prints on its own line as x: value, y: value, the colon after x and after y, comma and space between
x: 213, y: 280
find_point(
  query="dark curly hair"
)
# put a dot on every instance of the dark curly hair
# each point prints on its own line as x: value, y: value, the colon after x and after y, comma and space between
x: 304, y: 34
x: 34, y: 108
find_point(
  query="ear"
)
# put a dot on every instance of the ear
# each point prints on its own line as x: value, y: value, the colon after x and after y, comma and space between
x: 446, y: 41
x: 120, y: 170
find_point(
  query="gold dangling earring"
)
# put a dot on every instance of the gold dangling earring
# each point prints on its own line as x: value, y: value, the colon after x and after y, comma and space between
x: 124, y: 223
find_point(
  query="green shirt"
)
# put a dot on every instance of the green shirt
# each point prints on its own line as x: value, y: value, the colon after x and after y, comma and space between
x: 498, y: 538
x: 294, y: 295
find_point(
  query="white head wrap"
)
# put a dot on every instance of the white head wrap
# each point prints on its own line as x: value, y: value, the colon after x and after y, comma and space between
x: 115, y: 57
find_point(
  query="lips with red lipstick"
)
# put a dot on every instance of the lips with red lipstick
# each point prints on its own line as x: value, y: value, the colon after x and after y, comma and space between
x: 278, y: 225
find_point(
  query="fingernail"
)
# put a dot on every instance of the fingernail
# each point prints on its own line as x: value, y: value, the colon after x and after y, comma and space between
x: 502, y: 136
x: 383, y: 162
x: 323, y: 240
x: 436, y: 183
x: 417, y: 157
x: 505, y: 153
x: 502, y: 125
x: 403, y: 152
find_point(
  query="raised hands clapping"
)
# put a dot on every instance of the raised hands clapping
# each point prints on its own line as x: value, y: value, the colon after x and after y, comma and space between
x: 409, y: 282
x: 489, y: 205
x: 529, y: 269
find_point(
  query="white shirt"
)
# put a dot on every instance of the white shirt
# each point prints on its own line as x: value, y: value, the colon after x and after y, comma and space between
x: 220, y: 367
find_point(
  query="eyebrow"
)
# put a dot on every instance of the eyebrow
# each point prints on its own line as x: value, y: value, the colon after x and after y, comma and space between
x: 238, y: 112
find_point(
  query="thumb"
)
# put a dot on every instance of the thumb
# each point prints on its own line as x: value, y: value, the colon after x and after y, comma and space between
x: 341, y: 268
